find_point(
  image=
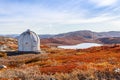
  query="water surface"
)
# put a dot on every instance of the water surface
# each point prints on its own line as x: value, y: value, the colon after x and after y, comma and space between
x: 80, y: 46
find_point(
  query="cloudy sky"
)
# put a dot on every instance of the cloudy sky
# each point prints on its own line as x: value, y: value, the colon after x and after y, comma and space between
x: 59, y: 16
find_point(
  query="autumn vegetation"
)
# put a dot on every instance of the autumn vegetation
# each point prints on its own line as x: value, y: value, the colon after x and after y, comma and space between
x: 96, y: 63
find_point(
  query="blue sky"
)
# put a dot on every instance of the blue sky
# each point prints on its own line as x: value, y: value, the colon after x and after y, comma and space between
x: 59, y: 16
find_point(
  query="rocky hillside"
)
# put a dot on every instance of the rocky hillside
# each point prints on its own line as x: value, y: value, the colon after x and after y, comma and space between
x: 83, y: 36
x: 7, y: 43
x: 110, y: 40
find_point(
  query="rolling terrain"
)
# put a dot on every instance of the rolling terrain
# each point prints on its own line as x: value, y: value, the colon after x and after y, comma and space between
x: 96, y: 63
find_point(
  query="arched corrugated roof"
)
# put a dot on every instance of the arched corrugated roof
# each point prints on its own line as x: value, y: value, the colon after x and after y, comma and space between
x: 29, y: 38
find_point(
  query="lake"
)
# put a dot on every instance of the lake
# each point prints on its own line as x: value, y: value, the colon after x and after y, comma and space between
x: 80, y: 46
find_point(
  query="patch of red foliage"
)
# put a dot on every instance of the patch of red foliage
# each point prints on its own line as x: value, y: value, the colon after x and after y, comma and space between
x: 97, y: 58
x: 60, y: 69
x: 44, y: 46
x: 1, y: 43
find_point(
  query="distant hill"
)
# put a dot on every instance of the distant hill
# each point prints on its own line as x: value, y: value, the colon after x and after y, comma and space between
x: 83, y: 33
x: 110, y: 40
x: 89, y: 34
x: 46, y: 36
x: 83, y: 36
x: 10, y: 35
x: 77, y: 37
x: 109, y: 34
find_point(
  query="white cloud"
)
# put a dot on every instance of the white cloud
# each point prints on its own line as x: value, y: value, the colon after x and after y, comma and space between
x: 42, y: 18
x: 101, y: 3
x: 115, y: 23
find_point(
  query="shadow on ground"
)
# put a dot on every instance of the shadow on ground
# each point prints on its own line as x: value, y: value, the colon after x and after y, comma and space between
x: 14, y: 53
